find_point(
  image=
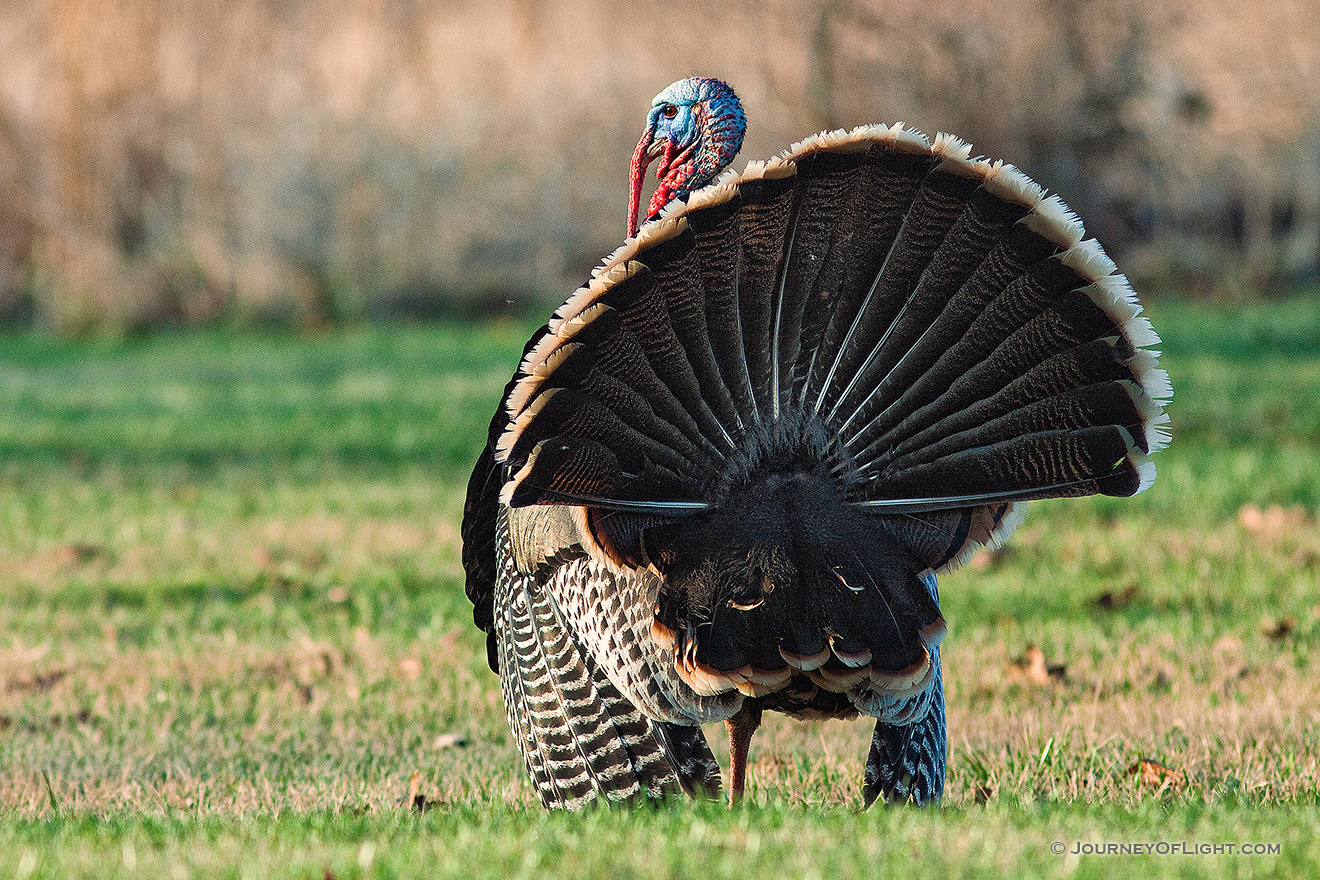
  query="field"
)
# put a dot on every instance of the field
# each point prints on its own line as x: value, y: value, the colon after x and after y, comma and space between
x: 233, y: 639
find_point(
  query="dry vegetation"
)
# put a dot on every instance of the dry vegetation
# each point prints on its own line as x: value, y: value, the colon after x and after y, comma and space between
x: 306, y: 162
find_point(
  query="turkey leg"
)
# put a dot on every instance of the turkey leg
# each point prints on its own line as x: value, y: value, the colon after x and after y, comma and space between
x: 740, y: 727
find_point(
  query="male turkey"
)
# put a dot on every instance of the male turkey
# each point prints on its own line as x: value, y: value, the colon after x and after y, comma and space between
x: 728, y: 468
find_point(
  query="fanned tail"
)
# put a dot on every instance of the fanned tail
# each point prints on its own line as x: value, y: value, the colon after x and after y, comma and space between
x: 938, y: 317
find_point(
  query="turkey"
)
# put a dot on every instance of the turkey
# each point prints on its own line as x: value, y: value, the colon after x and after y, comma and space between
x: 729, y: 467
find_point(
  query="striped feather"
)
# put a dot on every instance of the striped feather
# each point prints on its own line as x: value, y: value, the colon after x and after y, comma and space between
x: 581, y: 739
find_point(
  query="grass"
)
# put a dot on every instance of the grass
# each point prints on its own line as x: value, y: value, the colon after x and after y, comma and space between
x: 232, y: 630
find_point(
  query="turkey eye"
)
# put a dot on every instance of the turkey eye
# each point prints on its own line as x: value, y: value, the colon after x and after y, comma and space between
x: 669, y: 111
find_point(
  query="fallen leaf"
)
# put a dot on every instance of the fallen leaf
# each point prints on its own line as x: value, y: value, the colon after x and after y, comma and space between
x: 1109, y: 600
x: 1278, y: 630
x: 1154, y: 774
x: 77, y: 553
x: 1033, y: 669
x: 1251, y: 518
x: 41, y: 683
x: 1306, y: 559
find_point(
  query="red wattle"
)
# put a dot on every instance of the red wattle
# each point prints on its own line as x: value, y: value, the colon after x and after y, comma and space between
x: 674, y: 172
x: 639, y: 163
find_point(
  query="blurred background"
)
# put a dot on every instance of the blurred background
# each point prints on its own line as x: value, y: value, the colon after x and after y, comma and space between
x: 306, y: 162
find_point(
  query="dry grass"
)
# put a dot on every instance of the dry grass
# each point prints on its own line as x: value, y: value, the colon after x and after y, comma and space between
x: 229, y: 652
x: 307, y: 162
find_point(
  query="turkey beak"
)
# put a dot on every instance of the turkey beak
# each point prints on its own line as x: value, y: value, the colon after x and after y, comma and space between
x: 647, y: 149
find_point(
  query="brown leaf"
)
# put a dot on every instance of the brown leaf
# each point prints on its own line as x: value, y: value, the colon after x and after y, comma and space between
x: 1032, y: 668
x: 414, y: 783
x: 1251, y: 518
x: 1109, y: 600
x: 1278, y: 630
x: 1155, y: 774
x: 415, y: 799
x: 77, y: 553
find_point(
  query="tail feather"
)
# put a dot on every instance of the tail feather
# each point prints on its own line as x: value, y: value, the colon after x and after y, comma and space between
x: 566, y: 412
x: 1109, y: 403
x: 1093, y: 363
x: 820, y: 210
x: 885, y: 188
x: 986, y: 362
x: 765, y: 223
x: 580, y: 368
x: 1048, y: 464
x: 718, y: 232
x: 660, y: 307
x: 600, y: 335
x: 680, y: 282
x: 938, y: 203
x: 950, y: 295
x: 643, y: 312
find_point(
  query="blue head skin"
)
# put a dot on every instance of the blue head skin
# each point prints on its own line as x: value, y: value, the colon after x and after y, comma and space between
x: 695, y: 127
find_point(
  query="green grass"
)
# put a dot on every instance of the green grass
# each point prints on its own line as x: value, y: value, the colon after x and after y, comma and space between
x: 233, y: 628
